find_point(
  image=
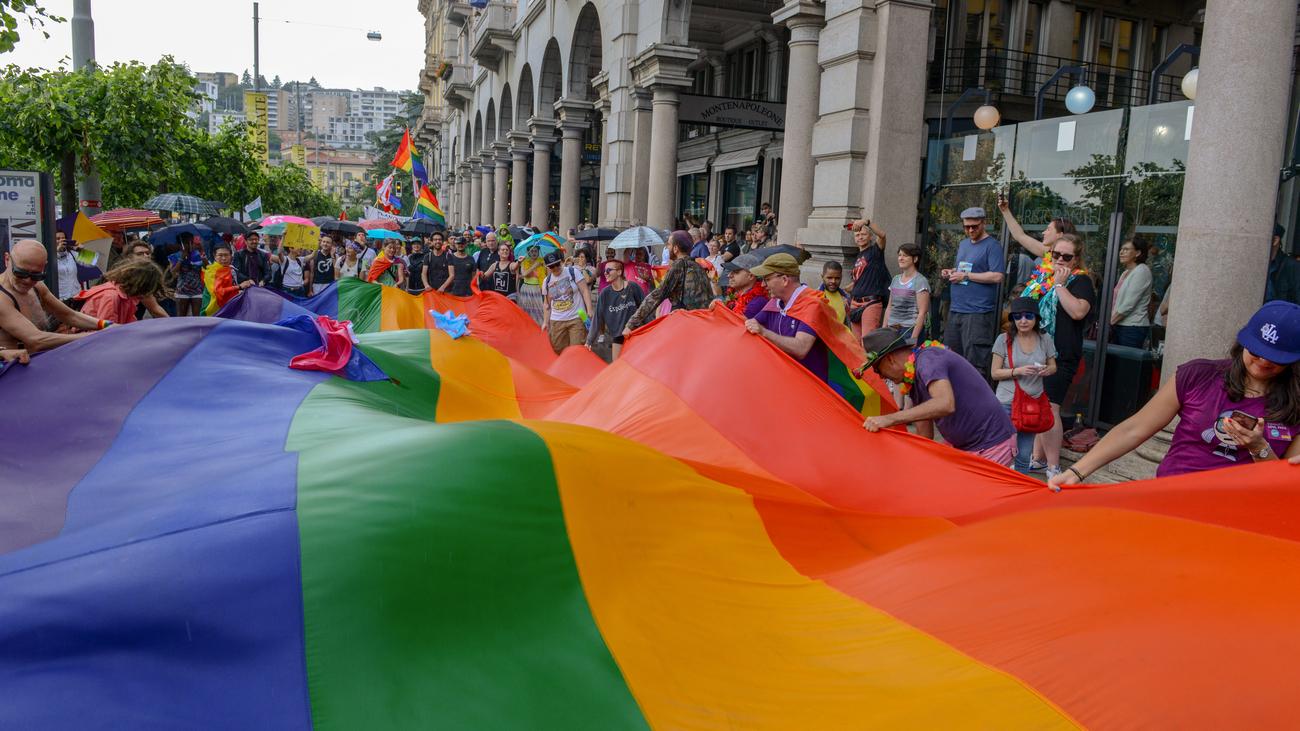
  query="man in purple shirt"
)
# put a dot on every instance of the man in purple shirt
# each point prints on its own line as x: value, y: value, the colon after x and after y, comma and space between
x: 949, y: 393
x: 779, y: 273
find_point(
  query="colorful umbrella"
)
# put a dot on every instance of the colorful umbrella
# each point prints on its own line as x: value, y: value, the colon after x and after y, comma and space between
x: 272, y: 220
x: 383, y: 233
x: 370, y: 224
x: 546, y: 242
x: 120, y: 219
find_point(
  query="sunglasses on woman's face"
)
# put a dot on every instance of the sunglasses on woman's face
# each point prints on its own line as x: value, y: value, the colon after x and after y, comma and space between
x: 1064, y: 257
x: 20, y: 273
x: 1022, y: 316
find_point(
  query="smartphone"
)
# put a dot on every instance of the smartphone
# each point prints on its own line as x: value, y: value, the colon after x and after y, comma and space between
x: 1244, y: 420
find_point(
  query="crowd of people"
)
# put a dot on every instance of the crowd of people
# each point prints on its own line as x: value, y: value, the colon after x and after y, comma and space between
x: 993, y: 382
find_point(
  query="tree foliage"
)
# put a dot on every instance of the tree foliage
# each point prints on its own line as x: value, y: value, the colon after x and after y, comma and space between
x: 133, y: 122
x: 11, y: 11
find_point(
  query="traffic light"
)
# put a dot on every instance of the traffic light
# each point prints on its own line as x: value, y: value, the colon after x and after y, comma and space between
x: 397, y: 188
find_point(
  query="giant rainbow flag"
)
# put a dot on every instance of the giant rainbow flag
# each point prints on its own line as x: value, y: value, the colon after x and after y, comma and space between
x: 494, y: 537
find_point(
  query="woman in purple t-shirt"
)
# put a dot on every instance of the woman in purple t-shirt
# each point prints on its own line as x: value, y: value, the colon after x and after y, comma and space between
x: 1231, y: 412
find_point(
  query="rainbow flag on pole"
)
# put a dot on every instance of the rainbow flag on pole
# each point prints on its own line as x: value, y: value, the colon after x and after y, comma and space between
x: 407, y: 159
x: 426, y: 206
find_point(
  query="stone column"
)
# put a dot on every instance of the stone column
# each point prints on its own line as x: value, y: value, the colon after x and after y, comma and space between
x: 1230, y: 189
x: 896, y: 133
x: 475, y: 192
x: 543, y: 138
x: 641, y: 155
x: 663, y: 69
x: 519, y: 178
x: 805, y: 19
x: 466, y: 185
x: 489, y: 186
x: 1058, y: 38
x: 870, y: 105
x: 500, y: 196
x: 776, y: 55
x: 574, y: 116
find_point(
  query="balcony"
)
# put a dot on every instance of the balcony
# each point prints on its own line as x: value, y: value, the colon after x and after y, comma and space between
x: 457, y: 90
x: 1019, y: 74
x: 459, y: 12
x: 493, y: 34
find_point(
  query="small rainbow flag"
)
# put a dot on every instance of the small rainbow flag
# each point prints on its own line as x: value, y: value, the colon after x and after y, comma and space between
x: 407, y: 159
x: 426, y: 206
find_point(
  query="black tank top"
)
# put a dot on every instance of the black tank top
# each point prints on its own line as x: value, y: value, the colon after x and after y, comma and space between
x: 324, y: 269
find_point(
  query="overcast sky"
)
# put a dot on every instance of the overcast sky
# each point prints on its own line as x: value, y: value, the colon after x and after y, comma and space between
x: 324, y: 38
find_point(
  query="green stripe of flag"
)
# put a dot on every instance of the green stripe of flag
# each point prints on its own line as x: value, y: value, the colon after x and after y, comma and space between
x: 362, y: 303
x: 439, y: 586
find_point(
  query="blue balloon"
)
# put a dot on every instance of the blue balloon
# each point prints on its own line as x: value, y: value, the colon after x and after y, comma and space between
x: 1080, y: 100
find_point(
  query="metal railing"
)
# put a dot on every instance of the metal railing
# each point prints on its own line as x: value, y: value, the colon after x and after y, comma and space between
x: 1017, y: 73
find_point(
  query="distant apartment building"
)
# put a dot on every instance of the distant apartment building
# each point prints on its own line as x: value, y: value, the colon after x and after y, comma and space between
x: 340, y: 118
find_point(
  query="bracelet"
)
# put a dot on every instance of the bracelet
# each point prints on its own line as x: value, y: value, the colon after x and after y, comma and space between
x: 103, y: 324
x: 1077, y: 473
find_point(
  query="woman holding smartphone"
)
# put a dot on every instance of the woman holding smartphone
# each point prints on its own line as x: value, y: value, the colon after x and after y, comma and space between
x: 1231, y: 412
x: 1032, y: 357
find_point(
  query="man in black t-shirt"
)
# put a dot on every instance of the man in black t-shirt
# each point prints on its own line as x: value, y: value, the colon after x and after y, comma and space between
x: 434, y: 271
x: 321, y: 265
x: 462, y: 270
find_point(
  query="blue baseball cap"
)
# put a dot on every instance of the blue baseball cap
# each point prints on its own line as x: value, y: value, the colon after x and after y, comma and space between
x: 1273, y: 333
x: 974, y: 212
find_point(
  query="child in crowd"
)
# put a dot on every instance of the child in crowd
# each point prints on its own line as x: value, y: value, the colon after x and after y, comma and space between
x: 838, y: 299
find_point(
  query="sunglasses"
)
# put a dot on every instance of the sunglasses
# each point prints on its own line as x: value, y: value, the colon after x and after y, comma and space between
x: 20, y: 273
x: 1023, y: 316
x: 972, y: 226
x: 1063, y: 257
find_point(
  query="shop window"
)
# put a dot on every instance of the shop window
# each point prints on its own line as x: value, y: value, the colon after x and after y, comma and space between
x: 739, y: 197
x: 693, y: 194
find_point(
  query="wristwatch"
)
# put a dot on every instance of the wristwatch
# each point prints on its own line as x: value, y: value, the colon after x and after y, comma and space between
x: 1262, y: 453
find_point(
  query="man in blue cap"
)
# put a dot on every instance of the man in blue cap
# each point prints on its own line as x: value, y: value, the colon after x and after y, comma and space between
x: 974, y: 282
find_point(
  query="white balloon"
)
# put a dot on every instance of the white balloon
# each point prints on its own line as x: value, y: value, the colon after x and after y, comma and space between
x: 987, y: 117
x: 1189, y: 83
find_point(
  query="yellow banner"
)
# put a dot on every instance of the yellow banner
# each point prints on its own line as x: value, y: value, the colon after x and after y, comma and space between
x: 258, y: 132
x: 299, y: 155
x: 318, y: 177
x: 298, y: 236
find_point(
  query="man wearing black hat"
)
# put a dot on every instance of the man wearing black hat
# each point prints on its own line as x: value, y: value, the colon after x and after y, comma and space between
x: 564, y: 299
x: 949, y: 393
x: 1283, y: 272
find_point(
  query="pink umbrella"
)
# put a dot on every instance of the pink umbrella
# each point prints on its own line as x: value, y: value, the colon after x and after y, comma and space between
x: 372, y: 223
x: 271, y: 220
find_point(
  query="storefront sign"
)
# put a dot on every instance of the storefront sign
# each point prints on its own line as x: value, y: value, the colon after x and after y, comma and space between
x: 299, y: 153
x: 259, y: 134
x: 27, y: 212
x: 718, y: 111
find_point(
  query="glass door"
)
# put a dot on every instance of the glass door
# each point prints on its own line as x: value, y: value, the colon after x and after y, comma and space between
x: 1135, y: 321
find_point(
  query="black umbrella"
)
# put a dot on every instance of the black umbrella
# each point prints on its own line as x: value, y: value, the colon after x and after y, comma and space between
x: 519, y: 233
x: 180, y: 203
x: 322, y: 220
x: 422, y: 227
x: 756, y: 257
x: 224, y: 225
x: 597, y: 234
x: 335, y: 226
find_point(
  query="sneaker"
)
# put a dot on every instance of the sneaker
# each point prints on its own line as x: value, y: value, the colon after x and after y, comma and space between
x: 1036, y: 466
x: 1050, y: 472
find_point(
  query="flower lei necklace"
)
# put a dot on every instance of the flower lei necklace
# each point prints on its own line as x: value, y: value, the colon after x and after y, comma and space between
x: 1043, y: 279
x: 909, y: 370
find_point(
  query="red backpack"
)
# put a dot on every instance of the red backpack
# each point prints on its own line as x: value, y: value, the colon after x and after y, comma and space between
x: 1028, y: 414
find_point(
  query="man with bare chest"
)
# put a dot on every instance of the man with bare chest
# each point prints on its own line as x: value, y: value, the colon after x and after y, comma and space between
x: 28, y: 308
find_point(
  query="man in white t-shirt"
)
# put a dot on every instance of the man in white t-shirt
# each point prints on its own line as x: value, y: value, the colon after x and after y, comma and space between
x: 564, y: 298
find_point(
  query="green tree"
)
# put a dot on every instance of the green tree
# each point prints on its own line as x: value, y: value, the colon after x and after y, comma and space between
x: 130, y: 119
x: 288, y: 189
x: 11, y: 11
